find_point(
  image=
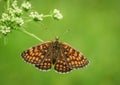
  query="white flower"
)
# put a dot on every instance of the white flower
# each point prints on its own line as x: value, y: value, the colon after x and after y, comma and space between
x: 33, y: 14
x: 56, y: 11
x: 36, y: 16
x: 5, y: 17
x: 57, y: 14
x: 26, y: 5
x: 11, y: 11
x: 19, y: 21
x: 4, y: 29
x: 15, y: 11
x: 14, y: 4
x: 40, y: 17
x: 18, y: 11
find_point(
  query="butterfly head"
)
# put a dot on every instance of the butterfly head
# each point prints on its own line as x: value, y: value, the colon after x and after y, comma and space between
x: 56, y: 43
x: 56, y: 39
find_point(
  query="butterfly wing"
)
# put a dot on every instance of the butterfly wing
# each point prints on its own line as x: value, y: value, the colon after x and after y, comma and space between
x: 61, y: 66
x: 45, y: 65
x: 37, y: 54
x: 74, y: 58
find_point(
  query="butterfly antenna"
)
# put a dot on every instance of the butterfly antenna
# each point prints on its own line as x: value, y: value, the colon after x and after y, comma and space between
x: 66, y: 31
x: 57, y: 37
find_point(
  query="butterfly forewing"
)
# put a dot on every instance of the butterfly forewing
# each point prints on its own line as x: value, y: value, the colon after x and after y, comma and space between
x: 73, y: 58
x: 36, y: 54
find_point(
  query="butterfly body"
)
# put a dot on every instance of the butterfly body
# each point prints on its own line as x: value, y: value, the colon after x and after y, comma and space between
x: 61, y: 55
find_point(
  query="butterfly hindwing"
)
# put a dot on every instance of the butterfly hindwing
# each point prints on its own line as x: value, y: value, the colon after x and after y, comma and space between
x: 61, y: 66
x: 45, y: 65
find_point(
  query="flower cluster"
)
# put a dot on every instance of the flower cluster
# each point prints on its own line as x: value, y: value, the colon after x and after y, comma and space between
x: 5, y: 29
x: 36, y: 16
x: 57, y: 15
x: 26, y: 5
x: 13, y: 18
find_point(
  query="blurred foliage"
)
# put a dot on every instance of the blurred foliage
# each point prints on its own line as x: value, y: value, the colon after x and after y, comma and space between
x: 94, y: 30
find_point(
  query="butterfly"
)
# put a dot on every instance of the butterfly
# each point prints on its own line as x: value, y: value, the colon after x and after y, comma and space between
x: 64, y: 57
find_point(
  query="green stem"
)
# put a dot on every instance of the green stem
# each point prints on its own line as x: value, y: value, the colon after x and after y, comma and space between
x: 47, y: 16
x: 30, y: 34
x: 8, y: 4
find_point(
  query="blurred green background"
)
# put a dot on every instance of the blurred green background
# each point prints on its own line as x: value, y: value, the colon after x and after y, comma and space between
x: 94, y: 30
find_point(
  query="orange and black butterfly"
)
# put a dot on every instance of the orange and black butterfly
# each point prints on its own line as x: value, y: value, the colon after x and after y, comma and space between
x: 61, y: 55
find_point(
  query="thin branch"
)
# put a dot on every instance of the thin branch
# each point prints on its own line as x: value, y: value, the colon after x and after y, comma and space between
x: 47, y: 16
x: 8, y: 4
x: 30, y: 34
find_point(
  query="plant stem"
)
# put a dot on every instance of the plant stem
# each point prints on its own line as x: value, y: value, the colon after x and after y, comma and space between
x: 47, y: 16
x: 8, y: 4
x: 30, y: 34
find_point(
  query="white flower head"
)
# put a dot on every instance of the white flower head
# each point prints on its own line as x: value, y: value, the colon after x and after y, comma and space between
x: 15, y: 11
x: 5, y: 17
x: 26, y: 5
x: 57, y: 14
x: 36, y: 16
x: 18, y: 11
x: 19, y: 21
x: 11, y: 11
x: 4, y: 29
